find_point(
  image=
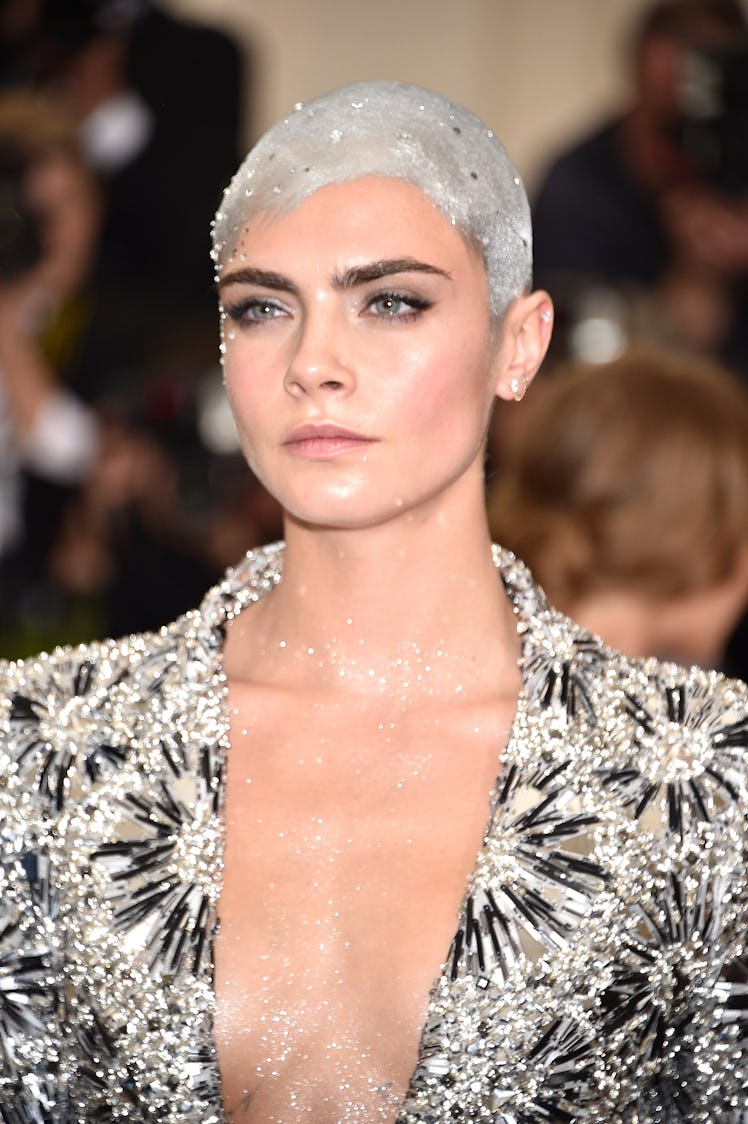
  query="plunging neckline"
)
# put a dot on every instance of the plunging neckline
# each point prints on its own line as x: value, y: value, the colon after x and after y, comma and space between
x: 259, y: 584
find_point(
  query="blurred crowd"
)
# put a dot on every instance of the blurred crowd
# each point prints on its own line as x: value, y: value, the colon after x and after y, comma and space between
x: 641, y: 227
x: 625, y: 489
x: 122, y: 493
x: 624, y: 483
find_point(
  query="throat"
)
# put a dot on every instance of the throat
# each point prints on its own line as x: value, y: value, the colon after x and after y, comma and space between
x: 389, y: 619
x: 453, y: 649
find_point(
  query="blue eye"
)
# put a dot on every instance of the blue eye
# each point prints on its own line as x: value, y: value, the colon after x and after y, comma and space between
x: 397, y: 306
x: 255, y: 310
x: 390, y: 305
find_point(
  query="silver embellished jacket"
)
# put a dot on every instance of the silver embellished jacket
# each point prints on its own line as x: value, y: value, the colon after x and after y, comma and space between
x: 598, y: 969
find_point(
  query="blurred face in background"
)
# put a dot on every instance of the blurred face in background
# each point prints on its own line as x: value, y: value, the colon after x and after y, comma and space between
x: 659, y: 62
x: 65, y: 200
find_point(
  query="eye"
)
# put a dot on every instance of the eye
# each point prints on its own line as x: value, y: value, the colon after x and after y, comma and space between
x: 254, y: 310
x: 397, y: 306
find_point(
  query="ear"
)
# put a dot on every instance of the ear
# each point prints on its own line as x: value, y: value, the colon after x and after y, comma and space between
x: 525, y: 335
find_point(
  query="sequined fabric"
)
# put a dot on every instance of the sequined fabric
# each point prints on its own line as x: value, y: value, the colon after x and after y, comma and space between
x: 598, y: 971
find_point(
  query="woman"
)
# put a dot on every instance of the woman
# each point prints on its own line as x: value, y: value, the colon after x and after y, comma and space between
x: 307, y: 758
x: 651, y: 551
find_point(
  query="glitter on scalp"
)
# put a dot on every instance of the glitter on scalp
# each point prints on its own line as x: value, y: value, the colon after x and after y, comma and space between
x: 397, y: 130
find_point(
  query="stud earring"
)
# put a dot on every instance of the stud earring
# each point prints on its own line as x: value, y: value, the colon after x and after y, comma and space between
x: 546, y: 315
x: 518, y: 388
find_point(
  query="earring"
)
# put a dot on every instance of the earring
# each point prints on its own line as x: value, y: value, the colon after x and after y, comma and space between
x: 546, y: 315
x: 518, y: 388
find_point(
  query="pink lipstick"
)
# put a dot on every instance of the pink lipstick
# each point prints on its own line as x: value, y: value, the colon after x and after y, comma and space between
x: 318, y: 442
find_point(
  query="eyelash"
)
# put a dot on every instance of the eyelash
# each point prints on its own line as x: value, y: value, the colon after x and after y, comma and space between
x: 414, y: 305
x: 240, y: 313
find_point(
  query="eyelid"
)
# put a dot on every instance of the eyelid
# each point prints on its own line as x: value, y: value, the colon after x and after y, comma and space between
x: 416, y: 302
x: 238, y: 308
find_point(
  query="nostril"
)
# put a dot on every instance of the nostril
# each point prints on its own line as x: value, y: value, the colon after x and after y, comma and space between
x: 331, y: 384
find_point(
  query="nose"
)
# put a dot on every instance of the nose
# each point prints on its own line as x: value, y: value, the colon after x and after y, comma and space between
x: 318, y: 361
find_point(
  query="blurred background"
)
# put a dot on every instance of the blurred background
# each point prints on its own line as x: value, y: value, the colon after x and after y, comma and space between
x: 122, y: 495
x: 537, y: 71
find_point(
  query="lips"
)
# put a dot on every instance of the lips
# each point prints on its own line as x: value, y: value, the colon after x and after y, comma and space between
x: 325, y: 440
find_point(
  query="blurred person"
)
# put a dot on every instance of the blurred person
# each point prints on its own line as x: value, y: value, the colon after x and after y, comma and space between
x: 625, y: 490
x: 79, y: 480
x: 652, y: 207
x: 50, y: 219
x: 128, y: 520
x: 373, y: 833
x: 149, y: 88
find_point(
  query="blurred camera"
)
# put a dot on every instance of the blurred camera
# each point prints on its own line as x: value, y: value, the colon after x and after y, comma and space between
x: 20, y: 240
x: 713, y: 131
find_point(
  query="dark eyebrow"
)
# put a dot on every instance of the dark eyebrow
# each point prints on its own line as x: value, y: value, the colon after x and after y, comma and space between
x: 360, y: 274
x: 356, y: 275
x: 265, y: 278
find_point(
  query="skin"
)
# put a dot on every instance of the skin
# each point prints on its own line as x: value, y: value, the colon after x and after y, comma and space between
x: 383, y: 662
x: 354, y: 356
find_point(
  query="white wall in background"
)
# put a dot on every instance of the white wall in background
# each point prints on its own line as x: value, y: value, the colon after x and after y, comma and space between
x: 538, y: 71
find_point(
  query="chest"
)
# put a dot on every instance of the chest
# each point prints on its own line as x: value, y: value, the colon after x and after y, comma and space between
x: 350, y: 837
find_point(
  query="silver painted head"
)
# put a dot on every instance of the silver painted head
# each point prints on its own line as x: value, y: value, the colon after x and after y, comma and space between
x: 401, y: 131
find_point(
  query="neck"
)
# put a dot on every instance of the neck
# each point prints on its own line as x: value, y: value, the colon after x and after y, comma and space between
x: 367, y: 607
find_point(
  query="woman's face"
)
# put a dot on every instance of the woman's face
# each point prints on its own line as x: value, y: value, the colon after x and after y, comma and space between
x: 360, y: 358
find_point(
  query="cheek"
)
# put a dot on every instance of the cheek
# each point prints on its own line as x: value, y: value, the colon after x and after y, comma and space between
x: 241, y: 390
x: 230, y: 380
x: 456, y: 383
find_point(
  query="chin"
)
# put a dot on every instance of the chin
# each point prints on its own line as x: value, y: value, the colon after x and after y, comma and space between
x: 352, y: 513
x: 335, y: 521
x: 343, y: 507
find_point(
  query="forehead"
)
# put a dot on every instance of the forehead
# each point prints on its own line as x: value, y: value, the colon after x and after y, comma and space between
x: 391, y: 129
x: 371, y: 214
